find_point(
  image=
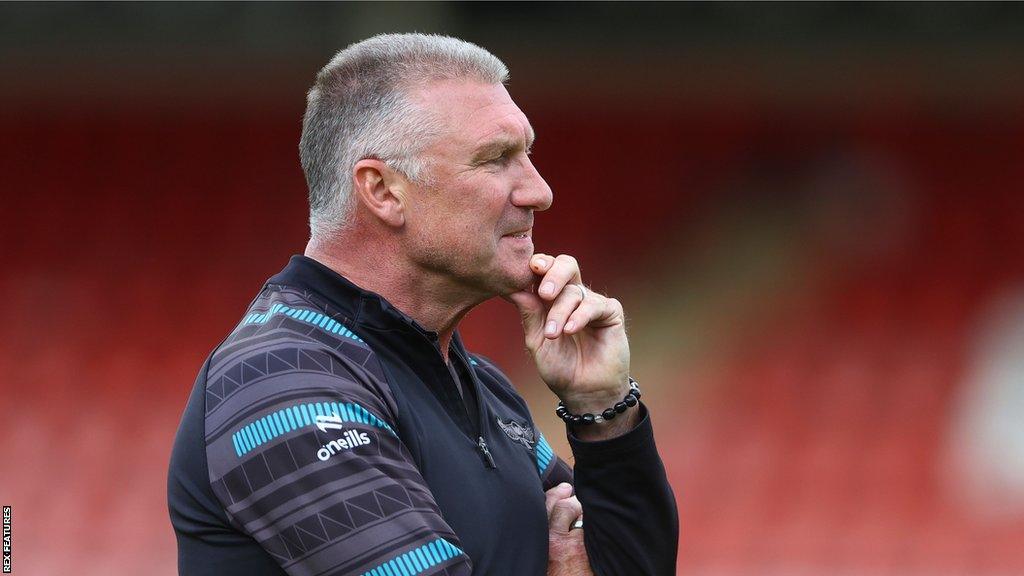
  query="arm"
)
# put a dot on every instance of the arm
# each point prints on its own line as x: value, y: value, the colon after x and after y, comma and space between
x: 631, y: 526
x: 631, y: 523
x: 578, y: 341
x: 315, y: 472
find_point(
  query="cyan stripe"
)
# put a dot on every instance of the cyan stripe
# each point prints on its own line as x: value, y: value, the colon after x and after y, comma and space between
x: 544, y: 454
x: 264, y: 429
x: 416, y: 561
x: 432, y: 551
x: 263, y: 433
x: 422, y: 557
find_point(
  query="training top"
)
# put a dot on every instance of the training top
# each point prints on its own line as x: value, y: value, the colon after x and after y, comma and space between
x: 327, y: 436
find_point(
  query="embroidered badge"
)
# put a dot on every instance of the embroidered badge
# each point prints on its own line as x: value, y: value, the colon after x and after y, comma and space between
x: 519, y: 433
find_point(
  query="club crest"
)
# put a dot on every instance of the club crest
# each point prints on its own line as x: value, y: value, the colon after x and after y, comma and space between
x: 519, y: 433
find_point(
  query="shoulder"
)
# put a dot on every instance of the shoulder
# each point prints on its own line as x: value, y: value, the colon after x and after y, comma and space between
x: 288, y: 347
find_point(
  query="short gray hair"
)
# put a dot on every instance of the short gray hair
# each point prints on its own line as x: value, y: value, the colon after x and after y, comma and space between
x: 359, y: 108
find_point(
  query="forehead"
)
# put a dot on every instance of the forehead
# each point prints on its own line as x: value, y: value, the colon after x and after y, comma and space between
x: 474, y: 113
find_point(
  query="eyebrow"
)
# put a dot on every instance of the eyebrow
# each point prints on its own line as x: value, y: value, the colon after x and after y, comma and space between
x: 501, y: 145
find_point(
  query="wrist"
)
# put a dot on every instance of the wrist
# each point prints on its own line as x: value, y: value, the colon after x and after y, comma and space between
x: 583, y: 402
x: 599, y: 408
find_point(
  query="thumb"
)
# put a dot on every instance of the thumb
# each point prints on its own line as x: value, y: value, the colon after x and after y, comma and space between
x: 531, y: 310
x: 563, y: 514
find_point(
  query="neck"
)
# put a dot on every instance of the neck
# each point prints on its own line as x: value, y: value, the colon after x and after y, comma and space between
x: 433, y: 301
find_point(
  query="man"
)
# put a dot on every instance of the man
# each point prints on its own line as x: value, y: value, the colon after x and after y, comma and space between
x: 343, y: 428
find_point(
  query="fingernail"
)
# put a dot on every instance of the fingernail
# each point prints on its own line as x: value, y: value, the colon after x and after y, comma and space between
x: 540, y: 262
x: 550, y: 328
x: 570, y: 325
x: 564, y: 486
x: 547, y: 288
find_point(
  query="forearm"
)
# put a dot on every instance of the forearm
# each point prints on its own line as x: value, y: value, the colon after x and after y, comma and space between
x: 631, y: 527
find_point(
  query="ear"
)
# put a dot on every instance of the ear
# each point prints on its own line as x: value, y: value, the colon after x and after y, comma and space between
x: 381, y: 190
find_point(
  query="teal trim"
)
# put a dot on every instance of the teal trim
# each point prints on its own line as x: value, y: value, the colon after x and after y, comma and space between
x: 304, y: 315
x: 418, y: 560
x: 544, y: 454
x: 435, y: 554
x: 263, y: 430
x: 473, y: 362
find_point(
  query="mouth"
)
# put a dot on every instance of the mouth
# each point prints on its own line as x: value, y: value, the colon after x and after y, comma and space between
x: 520, y: 235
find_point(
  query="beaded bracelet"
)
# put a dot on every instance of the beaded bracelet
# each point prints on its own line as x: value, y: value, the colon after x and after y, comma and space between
x: 631, y: 399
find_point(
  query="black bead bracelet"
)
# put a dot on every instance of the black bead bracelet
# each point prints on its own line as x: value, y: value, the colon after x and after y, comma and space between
x: 631, y: 399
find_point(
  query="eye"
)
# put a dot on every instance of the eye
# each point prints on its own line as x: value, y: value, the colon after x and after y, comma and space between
x: 502, y: 160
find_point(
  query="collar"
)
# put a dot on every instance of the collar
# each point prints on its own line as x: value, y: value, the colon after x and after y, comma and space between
x: 364, y: 308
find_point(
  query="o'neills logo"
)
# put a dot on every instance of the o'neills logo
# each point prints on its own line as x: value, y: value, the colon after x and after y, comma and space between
x: 349, y: 439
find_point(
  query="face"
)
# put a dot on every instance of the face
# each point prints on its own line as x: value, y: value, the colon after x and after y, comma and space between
x: 473, y: 220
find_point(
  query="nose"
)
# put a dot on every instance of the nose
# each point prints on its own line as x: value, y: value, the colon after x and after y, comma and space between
x: 532, y: 192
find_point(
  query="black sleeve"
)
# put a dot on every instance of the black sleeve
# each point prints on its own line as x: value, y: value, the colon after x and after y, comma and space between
x: 631, y: 526
x: 559, y: 472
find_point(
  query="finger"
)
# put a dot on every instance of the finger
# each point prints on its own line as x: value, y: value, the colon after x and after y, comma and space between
x: 531, y: 311
x: 541, y: 262
x: 568, y: 301
x: 595, y: 312
x: 563, y: 270
x: 563, y: 490
x: 563, y: 514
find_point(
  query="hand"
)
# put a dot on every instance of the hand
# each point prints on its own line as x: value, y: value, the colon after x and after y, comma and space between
x: 578, y: 343
x: 567, y: 556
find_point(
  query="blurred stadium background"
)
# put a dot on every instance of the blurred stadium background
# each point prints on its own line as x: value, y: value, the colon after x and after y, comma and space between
x: 813, y: 214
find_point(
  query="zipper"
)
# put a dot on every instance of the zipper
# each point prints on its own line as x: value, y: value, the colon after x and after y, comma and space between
x: 481, y: 443
x: 488, y: 459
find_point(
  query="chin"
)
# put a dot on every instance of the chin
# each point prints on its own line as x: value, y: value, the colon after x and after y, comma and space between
x: 515, y: 280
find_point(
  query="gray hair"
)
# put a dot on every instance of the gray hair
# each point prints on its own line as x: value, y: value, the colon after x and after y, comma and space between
x: 359, y: 107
